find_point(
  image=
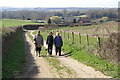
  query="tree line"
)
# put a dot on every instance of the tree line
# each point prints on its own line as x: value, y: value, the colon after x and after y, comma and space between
x: 45, y: 15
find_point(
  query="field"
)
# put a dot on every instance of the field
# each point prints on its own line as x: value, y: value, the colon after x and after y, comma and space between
x: 79, y: 49
x: 99, y: 29
x: 16, y: 22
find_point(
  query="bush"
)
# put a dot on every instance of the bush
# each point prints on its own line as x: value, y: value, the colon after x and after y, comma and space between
x: 110, y: 49
x: 56, y: 19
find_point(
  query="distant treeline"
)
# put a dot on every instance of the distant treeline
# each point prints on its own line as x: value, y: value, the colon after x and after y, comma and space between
x: 112, y: 13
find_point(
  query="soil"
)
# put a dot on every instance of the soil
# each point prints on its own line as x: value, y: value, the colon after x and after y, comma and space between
x: 36, y: 67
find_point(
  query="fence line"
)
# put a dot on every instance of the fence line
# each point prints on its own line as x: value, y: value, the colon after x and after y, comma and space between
x: 66, y: 35
x: 94, y: 44
x: 87, y: 34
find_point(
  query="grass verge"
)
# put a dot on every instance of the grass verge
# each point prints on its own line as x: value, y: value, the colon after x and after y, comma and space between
x: 15, y: 58
x: 81, y: 53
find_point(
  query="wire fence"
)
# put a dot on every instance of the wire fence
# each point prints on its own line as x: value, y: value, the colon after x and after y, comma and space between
x: 92, y: 43
x: 89, y: 41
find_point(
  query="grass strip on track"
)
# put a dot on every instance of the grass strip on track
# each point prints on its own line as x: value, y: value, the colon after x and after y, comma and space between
x: 60, y: 68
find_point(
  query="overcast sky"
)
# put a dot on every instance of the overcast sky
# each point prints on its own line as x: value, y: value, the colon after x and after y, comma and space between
x: 59, y: 3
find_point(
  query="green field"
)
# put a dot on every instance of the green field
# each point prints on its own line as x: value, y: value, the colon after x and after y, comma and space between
x: 16, y: 22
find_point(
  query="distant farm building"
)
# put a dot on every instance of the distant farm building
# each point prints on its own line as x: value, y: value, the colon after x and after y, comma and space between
x: 40, y: 21
x: 83, y: 18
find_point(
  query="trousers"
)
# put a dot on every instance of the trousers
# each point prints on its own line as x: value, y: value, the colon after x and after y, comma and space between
x: 50, y: 49
x: 58, y: 49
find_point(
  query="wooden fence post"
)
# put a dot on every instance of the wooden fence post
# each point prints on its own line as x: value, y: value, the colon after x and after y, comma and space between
x: 87, y: 40
x: 80, y: 38
x: 99, y: 42
x: 73, y: 36
x: 68, y: 35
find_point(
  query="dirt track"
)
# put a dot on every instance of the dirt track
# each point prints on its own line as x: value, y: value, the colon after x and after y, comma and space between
x: 37, y: 67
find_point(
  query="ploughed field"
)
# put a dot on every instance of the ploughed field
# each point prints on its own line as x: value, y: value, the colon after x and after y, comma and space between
x: 105, y: 28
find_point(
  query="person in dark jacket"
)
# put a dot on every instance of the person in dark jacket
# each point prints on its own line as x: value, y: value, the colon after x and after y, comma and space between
x: 58, y: 43
x: 50, y: 42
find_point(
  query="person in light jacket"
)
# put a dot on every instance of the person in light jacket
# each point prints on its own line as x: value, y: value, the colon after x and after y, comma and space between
x: 50, y: 43
x: 38, y: 43
x: 58, y: 43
